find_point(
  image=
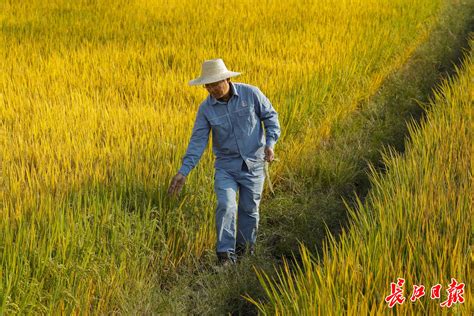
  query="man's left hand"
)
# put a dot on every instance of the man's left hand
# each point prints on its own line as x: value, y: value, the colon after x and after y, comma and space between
x: 269, y: 155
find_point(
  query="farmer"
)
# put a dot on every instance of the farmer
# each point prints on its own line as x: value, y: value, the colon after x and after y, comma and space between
x: 233, y: 112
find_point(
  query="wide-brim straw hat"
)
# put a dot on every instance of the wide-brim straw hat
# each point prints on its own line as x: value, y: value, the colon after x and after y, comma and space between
x: 213, y: 70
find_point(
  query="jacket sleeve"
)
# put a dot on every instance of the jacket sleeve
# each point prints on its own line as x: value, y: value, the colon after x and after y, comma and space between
x: 197, y: 143
x: 269, y: 117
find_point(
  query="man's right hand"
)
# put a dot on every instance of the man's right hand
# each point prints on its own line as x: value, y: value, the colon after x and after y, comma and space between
x: 176, y: 184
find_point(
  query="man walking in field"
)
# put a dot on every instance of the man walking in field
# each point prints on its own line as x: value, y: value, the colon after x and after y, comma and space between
x: 234, y: 112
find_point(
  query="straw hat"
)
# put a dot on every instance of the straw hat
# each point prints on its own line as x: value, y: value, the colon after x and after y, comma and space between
x: 212, y: 71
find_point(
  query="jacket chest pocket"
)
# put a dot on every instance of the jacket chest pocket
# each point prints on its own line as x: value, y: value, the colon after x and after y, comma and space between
x: 246, y: 117
x: 220, y: 129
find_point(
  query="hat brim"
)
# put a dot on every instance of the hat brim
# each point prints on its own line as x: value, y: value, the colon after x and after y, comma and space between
x: 211, y: 79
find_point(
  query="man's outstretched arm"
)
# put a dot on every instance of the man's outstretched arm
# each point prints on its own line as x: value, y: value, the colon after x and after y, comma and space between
x: 196, y: 146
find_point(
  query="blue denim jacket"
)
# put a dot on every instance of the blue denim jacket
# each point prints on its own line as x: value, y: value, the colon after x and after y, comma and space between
x: 237, y: 132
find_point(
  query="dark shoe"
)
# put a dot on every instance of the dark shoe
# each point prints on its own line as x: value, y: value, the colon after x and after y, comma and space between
x: 242, y: 250
x: 226, y: 258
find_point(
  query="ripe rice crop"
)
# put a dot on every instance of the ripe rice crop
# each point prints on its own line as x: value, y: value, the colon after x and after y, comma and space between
x: 415, y: 225
x: 95, y: 115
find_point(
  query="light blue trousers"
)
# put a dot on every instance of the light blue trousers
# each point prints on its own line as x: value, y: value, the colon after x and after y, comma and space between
x: 237, y: 223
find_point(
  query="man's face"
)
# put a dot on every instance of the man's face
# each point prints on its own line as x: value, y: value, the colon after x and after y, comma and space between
x: 218, y: 89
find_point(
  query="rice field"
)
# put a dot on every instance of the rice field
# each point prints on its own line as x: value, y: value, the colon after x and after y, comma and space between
x: 416, y: 225
x: 96, y: 113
